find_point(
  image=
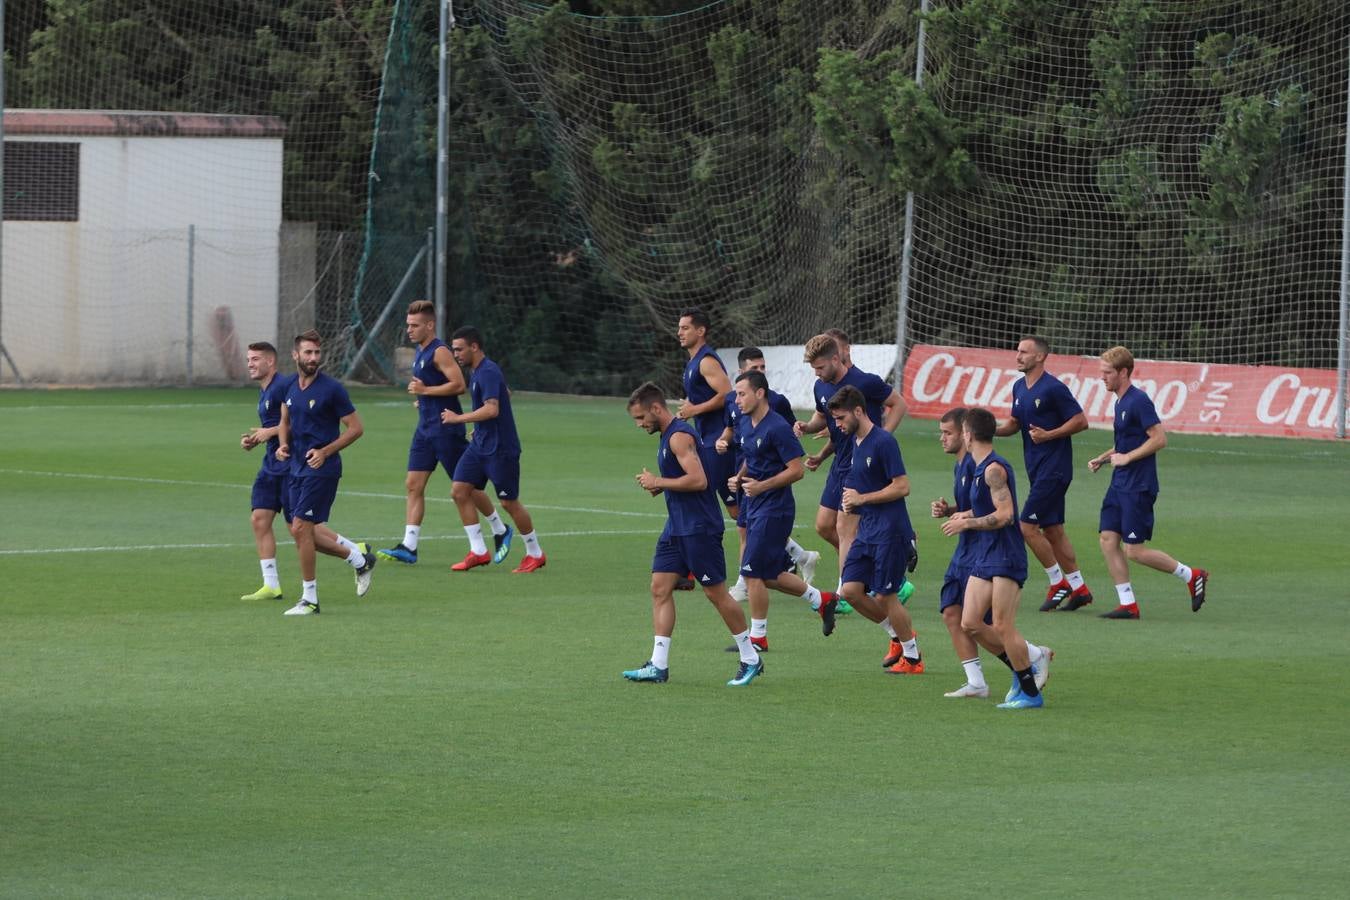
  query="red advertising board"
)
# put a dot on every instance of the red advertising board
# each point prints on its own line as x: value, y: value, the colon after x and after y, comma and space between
x: 1196, y: 397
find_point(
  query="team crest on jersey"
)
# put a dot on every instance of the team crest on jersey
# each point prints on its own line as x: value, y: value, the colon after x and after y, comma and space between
x: 311, y: 404
x: 1038, y: 402
x: 267, y: 404
x: 869, y: 462
x: 759, y: 442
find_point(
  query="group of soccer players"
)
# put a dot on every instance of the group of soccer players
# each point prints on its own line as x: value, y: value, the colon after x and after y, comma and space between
x: 741, y: 445
x: 306, y: 419
x: 739, y: 442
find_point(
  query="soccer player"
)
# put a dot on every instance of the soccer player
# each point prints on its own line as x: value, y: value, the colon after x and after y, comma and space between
x: 1048, y: 416
x: 493, y: 454
x: 998, y: 556
x: 269, y: 485
x: 952, y: 597
x: 691, y: 540
x: 875, y: 491
x: 885, y: 407
x: 318, y: 420
x: 752, y: 359
x: 1127, y: 509
x: 436, y: 385
x: 706, y: 387
x: 771, y: 462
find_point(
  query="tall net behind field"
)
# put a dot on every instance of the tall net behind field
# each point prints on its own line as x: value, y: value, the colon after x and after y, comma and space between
x: 622, y: 168
x: 1157, y: 173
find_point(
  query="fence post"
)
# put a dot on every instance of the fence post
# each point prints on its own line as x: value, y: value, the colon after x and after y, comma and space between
x: 191, y: 266
x: 907, y: 249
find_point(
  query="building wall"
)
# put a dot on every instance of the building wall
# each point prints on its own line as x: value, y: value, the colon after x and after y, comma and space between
x: 105, y: 299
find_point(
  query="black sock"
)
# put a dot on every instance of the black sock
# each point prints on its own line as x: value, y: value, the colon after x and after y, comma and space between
x: 1028, y: 682
x: 1003, y: 657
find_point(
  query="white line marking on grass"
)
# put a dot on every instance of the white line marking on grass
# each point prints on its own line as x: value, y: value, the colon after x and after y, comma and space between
x: 342, y: 493
x: 235, y: 546
x: 116, y: 406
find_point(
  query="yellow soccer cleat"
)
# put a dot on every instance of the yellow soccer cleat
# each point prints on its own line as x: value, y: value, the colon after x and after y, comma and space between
x: 264, y: 593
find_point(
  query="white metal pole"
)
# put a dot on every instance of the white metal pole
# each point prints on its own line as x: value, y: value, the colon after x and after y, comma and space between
x: 907, y: 250
x: 443, y: 162
x: 191, y: 267
x: 1343, y: 336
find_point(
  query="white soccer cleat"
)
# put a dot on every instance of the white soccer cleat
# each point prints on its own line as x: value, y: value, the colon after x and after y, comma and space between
x: 1042, y: 668
x: 303, y: 608
x: 739, y: 592
x: 364, y: 574
x: 807, y: 565
x: 969, y: 690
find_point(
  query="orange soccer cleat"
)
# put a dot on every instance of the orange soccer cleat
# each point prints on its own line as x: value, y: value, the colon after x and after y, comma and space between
x: 530, y: 564
x: 473, y: 560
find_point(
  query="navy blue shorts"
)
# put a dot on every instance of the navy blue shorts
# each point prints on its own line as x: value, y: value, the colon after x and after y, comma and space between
x: 719, y: 467
x: 427, y: 451
x: 832, y: 497
x: 953, y: 587
x: 272, y: 492
x: 880, y: 568
x: 765, y: 539
x: 1129, y: 514
x: 1045, y: 502
x: 503, y: 471
x: 698, y: 553
x: 312, y: 498
x: 742, y: 519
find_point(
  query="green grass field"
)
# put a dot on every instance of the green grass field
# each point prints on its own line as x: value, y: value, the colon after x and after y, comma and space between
x: 470, y: 735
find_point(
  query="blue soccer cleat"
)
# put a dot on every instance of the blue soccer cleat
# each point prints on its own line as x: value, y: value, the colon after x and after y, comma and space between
x: 502, y: 544
x: 1022, y: 701
x: 648, y: 672
x: 399, y: 554
x: 747, y: 673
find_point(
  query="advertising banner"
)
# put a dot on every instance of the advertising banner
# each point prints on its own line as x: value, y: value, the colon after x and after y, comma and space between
x: 1194, y: 397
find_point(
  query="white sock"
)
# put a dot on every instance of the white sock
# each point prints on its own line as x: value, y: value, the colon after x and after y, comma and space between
x: 840, y: 589
x: 890, y: 629
x: 740, y: 583
x: 795, y: 550
x: 410, y: 535
x: 1183, y: 572
x: 356, y: 559
x: 532, y: 547
x: 346, y: 544
x: 1126, y: 594
x: 1055, y: 574
x: 812, y: 596
x: 661, y: 652
x: 269, y: 570
x: 1034, y: 653
x: 1075, y: 580
x: 748, y: 652
x: 911, y: 647
x: 309, y: 591
x: 759, y: 628
x: 475, y: 533
x: 974, y: 673
x: 499, y: 527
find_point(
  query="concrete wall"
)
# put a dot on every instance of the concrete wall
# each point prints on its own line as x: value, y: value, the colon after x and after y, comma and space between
x: 104, y: 299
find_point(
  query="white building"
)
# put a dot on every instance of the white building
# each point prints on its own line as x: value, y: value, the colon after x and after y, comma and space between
x: 103, y: 212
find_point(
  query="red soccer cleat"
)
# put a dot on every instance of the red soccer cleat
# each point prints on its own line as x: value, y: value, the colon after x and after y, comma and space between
x: 471, y: 561
x: 894, y: 654
x: 1197, y: 585
x: 907, y: 666
x: 530, y: 564
x: 1123, y: 612
x: 1057, y: 594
